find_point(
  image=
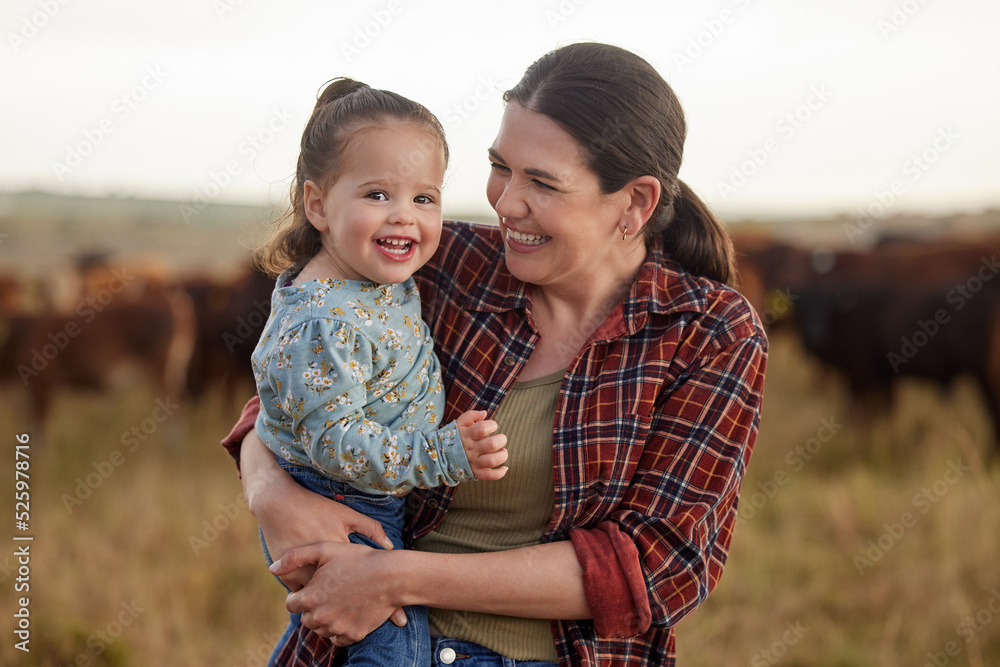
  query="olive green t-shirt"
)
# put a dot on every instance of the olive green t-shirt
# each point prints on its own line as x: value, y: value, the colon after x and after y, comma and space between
x: 505, y: 514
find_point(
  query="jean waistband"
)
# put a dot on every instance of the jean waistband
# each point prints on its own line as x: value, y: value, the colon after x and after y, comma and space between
x: 446, y: 651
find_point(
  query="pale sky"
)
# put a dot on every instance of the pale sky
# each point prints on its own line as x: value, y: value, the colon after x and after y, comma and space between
x: 793, y: 108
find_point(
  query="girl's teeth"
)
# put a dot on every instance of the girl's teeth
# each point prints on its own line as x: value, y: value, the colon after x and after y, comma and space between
x: 397, y: 246
x: 529, y: 239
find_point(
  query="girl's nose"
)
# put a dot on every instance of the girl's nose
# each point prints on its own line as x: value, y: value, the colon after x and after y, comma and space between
x: 403, y: 214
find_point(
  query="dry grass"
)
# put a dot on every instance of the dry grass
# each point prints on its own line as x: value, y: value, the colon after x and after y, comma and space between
x: 118, y: 582
x: 872, y: 552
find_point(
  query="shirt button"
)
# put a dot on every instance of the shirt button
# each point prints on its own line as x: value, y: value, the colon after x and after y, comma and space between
x: 447, y: 655
x: 433, y: 504
x: 509, y: 361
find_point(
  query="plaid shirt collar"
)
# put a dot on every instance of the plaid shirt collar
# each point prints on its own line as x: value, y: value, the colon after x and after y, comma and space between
x: 661, y: 288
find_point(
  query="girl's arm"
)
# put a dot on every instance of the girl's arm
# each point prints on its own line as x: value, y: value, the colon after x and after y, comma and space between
x: 322, y: 377
x: 355, y: 588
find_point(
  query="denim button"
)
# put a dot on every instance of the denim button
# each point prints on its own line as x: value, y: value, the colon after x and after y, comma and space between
x: 447, y: 655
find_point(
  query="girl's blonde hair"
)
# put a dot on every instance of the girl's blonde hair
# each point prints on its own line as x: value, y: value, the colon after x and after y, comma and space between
x: 342, y: 107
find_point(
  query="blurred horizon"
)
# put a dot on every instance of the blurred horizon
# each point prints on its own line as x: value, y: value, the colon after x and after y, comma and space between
x: 191, y: 212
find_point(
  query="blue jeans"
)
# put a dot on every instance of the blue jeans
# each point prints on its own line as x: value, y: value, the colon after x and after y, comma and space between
x: 445, y: 651
x: 388, y: 644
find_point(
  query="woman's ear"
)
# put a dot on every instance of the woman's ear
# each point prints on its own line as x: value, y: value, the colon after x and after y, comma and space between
x: 313, y: 201
x: 643, y: 194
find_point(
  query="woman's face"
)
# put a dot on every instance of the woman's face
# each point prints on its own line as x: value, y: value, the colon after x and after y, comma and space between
x: 558, y: 228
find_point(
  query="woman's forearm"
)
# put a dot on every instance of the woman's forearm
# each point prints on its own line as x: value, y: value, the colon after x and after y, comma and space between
x: 291, y: 515
x: 542, y: 581
x: 355, y: 588
x: 262, y: 477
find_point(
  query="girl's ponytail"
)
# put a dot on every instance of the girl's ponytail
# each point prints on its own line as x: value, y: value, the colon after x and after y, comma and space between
x: 335, y: 89
x: 696, y: 239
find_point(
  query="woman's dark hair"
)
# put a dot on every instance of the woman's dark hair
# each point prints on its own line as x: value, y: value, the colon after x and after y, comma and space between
x: 629, y: 123
x: 343, y: 106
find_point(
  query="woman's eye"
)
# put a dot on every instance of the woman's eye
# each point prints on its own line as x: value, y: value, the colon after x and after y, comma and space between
x: 541, y: 186
x: 496, y: 166
x: 378, y: 196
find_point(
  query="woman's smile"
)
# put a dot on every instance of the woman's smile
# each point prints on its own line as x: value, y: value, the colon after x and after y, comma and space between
x: 520, y: 241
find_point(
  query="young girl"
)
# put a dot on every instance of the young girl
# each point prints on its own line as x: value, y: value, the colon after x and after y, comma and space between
x: 349, y: 385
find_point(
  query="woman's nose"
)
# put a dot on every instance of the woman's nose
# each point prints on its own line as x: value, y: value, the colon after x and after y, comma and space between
x: 510, y: 203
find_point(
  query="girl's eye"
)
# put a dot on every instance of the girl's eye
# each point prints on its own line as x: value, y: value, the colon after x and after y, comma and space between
x: 378, y: 196
x: 424, y: 199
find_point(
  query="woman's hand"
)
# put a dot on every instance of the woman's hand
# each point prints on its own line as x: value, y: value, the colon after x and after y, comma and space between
x: 349, y: 594
x: 292, y: 516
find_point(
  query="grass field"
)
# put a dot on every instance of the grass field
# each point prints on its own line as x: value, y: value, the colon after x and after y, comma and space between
x: 859, y: 544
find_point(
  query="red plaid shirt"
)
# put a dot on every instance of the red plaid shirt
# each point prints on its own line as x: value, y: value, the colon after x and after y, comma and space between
x: 656, y: 419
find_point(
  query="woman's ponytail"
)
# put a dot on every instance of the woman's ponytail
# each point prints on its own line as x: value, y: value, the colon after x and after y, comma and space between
x: 696, y: 239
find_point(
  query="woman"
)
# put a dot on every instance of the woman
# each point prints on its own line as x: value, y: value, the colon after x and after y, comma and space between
x: 596, y: 325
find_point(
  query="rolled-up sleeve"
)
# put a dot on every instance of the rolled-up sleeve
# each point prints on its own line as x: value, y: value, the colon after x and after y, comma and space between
x: 234, y: 440
x: 613, y: 580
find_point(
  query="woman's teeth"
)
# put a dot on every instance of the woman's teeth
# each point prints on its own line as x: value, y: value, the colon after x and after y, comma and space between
x: 528, y: 239
x: 397, y: 246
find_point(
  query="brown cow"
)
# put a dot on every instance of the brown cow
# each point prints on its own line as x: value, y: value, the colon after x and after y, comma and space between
x: 123, y: 320
x: 230, y: 317
x: 923, y: 311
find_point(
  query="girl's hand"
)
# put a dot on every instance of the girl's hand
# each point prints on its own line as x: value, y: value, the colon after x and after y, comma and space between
x: 349, y: 594
x: 484, y: 447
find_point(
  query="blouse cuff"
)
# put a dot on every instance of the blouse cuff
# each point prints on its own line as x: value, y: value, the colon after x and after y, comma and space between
x: 613, y: 581
x: 244, y: 425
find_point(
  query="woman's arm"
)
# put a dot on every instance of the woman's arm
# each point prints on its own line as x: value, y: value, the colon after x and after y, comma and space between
x: 355, y: 588
x: 272, y: 494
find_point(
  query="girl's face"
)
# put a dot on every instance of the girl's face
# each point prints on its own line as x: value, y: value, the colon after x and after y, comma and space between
x: 381, y: 219
x: 558, y: 228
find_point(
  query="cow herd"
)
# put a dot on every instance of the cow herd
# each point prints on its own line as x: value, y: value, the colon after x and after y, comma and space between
x: 903, y: 308
x: 907, y: 307
x: 107, y: 324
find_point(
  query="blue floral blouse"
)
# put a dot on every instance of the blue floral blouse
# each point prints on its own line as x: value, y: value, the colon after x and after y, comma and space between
x: 349, y: 385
